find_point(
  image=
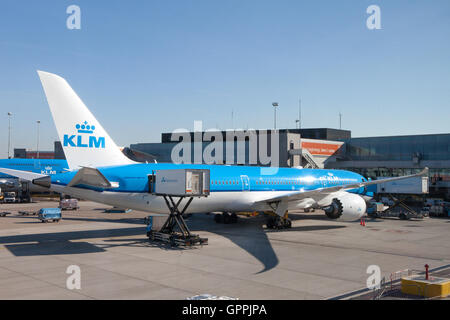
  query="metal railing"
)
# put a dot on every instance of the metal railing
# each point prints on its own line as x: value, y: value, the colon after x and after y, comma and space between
x: 391, y: 288
x: 309, y: 158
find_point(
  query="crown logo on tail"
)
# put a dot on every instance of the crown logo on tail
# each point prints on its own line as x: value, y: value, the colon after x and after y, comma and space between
x: 85, y: 128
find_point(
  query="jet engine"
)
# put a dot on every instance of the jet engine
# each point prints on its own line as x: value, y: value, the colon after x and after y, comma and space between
x: 346, y: 207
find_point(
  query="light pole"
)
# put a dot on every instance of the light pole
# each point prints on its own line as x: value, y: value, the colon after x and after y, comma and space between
x: 299, y: 113
x: 275, y: 105
x: 9, y: 133
x: 37, y: 147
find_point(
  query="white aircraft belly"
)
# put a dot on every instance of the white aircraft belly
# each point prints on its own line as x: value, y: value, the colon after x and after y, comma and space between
x: 216, y: 201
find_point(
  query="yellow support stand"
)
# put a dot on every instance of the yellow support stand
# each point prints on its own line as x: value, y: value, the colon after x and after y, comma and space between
x: 431, y: 288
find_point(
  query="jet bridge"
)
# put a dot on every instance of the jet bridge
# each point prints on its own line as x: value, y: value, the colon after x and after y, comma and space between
x: 175, y: 186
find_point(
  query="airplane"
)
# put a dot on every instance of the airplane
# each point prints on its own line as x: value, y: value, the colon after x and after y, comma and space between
x: 100, y: 172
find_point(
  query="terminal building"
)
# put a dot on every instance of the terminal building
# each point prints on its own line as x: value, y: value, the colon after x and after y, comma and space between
x: 57, y: 153
x: 373, y: 157
x: 286, y: 147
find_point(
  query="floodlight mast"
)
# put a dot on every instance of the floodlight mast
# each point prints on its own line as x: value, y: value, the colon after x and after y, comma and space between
x: 275, y: 105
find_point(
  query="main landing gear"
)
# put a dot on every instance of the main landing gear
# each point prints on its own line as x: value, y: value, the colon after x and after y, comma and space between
x: 277, y: 222
x: 225, y: 218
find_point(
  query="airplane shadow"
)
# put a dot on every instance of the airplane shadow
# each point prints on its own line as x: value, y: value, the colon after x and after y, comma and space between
x: 250, y: 234
x: 52, y: 248
x: 306, y: 228
x: 61, y: 243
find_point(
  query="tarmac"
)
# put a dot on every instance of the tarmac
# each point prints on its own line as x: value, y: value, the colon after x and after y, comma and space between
x: 317, y: 259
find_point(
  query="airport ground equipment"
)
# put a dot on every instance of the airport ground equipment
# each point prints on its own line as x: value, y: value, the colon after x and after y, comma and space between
x: 9, y: 197
x: 398, y: 209
x: 68, y: 204
x: 425, y: 285
x: 402, y: 189
x: 175, y: 186
x: 442, y: 210
x: 24, y: 193
x: 415, y: 185
x: 117, y: 210
x: 431, y: 288
x: 27, y: 213
x: 375, y: 208
x: 49, y: 214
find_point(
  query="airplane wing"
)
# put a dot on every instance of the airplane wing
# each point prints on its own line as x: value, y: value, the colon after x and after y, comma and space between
x: 91, y: 177
x: 318, y: 194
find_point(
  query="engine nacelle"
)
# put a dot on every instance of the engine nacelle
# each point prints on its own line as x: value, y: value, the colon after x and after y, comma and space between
x: 346, y: 207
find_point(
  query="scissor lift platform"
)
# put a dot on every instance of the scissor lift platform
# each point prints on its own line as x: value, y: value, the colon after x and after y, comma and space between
x: 181, y: 184
x: 168, y: 232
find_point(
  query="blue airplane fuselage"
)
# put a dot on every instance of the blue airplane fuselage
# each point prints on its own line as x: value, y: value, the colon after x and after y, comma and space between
x: 134, y: 178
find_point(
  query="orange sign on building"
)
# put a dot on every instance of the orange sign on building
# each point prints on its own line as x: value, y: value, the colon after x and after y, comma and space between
x: 321, y: 148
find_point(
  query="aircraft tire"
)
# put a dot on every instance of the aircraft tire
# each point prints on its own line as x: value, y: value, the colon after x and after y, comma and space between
x: 270, y: 223
x: 218, y: 218
x: 288, y: 224
x: 226, y: 218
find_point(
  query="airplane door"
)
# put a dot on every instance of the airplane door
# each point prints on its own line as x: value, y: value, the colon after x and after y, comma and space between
x: 245, y: 183
x: 195, y: 187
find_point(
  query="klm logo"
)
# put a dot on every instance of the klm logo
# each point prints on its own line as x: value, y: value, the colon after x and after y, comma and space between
x: 85, y: 138
x: 48, y: 170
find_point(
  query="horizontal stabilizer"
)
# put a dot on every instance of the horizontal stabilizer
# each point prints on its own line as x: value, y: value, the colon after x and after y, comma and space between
x: 91, y: 177
x: 25, y: 175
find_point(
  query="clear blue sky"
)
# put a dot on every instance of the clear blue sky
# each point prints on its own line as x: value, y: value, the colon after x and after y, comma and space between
x: 144, y: 67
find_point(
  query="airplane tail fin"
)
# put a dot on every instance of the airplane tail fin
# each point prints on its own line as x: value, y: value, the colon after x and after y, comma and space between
x: 85, y: 142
